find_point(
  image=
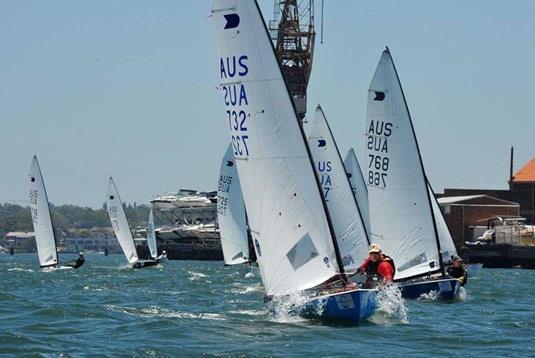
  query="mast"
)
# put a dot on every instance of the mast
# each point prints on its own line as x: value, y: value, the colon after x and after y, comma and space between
x: 311, y: 161
x: 437, y: 240
x: 294, y: 47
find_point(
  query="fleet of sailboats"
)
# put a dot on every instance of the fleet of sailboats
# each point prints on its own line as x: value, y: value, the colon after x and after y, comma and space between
x: 311, y: 216
x: 295, y: 242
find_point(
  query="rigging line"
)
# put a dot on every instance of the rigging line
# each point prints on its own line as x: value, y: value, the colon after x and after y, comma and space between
x: 322, y: 5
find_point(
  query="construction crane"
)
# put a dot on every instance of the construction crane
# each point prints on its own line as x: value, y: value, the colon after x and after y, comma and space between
x: 292, y: 32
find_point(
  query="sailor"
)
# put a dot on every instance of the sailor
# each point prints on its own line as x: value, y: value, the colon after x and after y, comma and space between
x: 78, y: 262
x: 378, y: 267
x: 163, y: 256
x: 458, y: 271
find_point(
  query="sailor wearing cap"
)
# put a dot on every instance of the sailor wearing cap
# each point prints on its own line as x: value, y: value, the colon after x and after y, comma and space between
x: 378, y: 267
x: 458, y: 271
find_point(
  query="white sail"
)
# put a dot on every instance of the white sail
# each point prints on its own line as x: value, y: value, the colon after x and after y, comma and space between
x: 151, y: 236
x: 287, y: 217
x: 447, y: 245
x: 120, y: 223
x: 348, y: 225
x: 360, y: 190
x: 400, y: 206
x: 231, y: 213
x: 42, y: 222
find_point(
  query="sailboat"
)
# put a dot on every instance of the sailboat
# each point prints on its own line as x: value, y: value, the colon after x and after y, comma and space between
x: 122, y: 229
x: 45, y: 238
x: 360, y: 190
x: 231, y: 213
x: 405, y: 218
x: 292, y: 232
x: 348, y: 223
x: 151, y: 240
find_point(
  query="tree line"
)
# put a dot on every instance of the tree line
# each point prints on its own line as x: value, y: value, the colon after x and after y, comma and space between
x: 68, y: 218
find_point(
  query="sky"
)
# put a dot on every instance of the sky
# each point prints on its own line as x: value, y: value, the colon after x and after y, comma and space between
x: 128, y: 89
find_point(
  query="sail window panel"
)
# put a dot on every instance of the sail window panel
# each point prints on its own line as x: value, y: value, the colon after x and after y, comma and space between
x: 302, y: 252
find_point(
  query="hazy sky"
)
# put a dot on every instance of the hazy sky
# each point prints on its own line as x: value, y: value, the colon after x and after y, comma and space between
x: 128, y: 88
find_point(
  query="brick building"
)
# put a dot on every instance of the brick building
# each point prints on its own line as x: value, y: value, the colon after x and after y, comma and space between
x: 462, y: 212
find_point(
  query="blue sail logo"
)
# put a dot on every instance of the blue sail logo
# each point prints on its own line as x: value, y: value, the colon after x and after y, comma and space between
x: 321, y: 143
x: 233, y: 20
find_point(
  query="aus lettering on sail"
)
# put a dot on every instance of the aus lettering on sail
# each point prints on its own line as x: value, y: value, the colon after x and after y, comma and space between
x: 324, y: 172
x: 378, y: 159
x: 225, y: 181
x: 233, y: 70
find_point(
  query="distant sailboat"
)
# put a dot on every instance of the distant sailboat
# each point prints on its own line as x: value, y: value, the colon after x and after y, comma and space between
x: 403, y: 211
x: 294, y: 240
x: 45, y: 239
x: 360, y: 190
x: 122, y: 229
x: 231, y: 213
x: 151, y: 240
x: 348, y: 223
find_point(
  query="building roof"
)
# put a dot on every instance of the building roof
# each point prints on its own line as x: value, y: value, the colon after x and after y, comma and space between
x: 526, y: 174
x: 475, y: 200
x: 456, y: 199
x: 20, y: 234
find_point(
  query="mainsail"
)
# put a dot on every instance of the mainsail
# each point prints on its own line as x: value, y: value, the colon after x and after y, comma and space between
x: 42, y: 222
x: 360, y: 190
x: 231, y: 212
x: 342, y: 205
x: 290, y: 229
x: 120, y: 223
x: 401, y: 215
x: 151, y: 236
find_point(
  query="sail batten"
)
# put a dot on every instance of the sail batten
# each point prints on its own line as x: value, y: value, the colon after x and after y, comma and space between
x: 289, y: 228
x: 119, y: 223
x: 350, y: 231
x: 231, y: 212
x: 401, y: 214
x: 42, y: 222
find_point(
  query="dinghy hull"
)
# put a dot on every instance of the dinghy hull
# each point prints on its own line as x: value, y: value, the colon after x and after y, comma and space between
x: 144, y: 263
x: 445, y: 289
x: 351, y: 306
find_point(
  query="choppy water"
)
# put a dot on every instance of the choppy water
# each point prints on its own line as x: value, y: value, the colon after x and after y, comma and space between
x: 192, y: 308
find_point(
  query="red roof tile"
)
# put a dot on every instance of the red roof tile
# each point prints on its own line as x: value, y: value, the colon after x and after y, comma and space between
x: 527, y: 173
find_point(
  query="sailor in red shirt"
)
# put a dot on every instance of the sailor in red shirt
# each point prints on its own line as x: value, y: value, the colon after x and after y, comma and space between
x: 378, y: 267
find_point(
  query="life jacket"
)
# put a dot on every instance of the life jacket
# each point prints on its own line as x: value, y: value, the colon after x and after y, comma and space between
x: 372, y: 266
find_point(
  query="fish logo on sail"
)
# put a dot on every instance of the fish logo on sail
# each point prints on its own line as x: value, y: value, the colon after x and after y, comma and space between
x: 379, y: 96
x: 321, y: 143
x: 111, y: 197
x: 349, y: 175
x: 233, y: 20
x: 32, y: 179
x: 229, y: 163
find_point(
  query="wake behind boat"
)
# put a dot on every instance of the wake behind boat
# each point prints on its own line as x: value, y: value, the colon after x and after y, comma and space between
x: 293, y: 236
x: 45, y: 238
x: 122, y: 231
x: 405, y: 218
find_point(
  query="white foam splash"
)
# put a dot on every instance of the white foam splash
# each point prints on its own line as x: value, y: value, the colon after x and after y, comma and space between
x: 196, y: 275
x: 249, y: 275
x: 430, y: 296
x: 391, y: 306
x: 18, y: 269
x: 165, y: 313
x: 286, y: 309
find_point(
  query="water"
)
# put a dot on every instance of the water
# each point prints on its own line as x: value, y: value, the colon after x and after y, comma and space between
x: 192, y: 308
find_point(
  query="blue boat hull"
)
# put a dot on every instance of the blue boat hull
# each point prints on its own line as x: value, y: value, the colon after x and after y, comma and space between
x: 351, y: 306
x: 446, y: 289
